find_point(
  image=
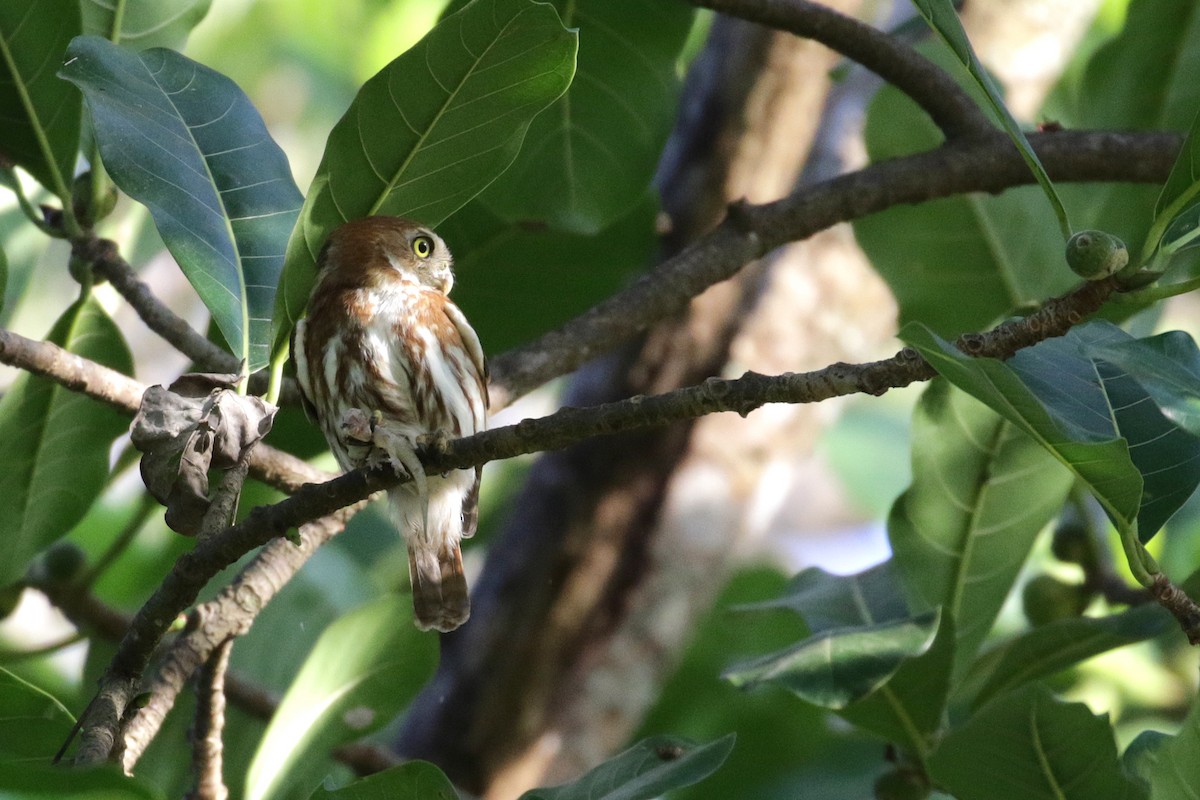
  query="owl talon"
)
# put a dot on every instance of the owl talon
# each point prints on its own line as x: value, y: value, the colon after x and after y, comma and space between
x: 357, y: 426
x: 403, y: 456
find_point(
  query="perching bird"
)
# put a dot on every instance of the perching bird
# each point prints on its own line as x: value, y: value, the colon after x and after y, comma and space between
x: 383, y: 359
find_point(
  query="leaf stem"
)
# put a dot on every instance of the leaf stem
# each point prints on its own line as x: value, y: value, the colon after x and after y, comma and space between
x: 1141, y: 563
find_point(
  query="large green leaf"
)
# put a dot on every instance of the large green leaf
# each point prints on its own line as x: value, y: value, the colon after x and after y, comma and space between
x: 516, y: 282
x: 1049, y: 649
x: 908, y: 709
x: 33, y: 724
x: 143, y: 23
x: 1089, y: 414
x: 645, y: 771
x: 39, y: 114
x: 363, y: 670
x: 592, y: 154
x: 991, y: 254
x: 432, y: 129
x: 862, y: 634
x: 26, y: 782
x: 1168, y: 366
x: 1175, y: 771
x: 981, y: 491
x: 186, y: 142
x: 1029, y: 745
x: 54, y: 443
x: 415, y: 779
x: 942, y: 17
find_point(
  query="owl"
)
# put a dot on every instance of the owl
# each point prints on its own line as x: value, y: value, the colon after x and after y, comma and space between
x: 385, y: 359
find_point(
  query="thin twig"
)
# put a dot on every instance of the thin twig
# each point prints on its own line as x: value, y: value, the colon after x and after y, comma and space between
x: 951, y: 108
x: 207, y: 746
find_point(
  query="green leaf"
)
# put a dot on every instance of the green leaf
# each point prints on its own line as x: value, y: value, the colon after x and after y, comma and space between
x: 982, y: 490
x: 415, y: 779
x: 942, y: 17
x: 1168, y: 366
x: 363, y: 671
x: 432, y: 129
x: 839, y: 666
x: 1175, y: 771
x: 1049, y: 649
x: 1029, y: 745
x: 993, y: 254
x: 645, y: 771
x: 33, y: 724
x: 592, y: 154
x: 908, y: 709
x: 186, y: 142
x: 515, y: 282
x: 1142, y: 754
x: 39, y: 126
x: 143, y: 23
x: 26, y: 782
x: 54, y: 443
x: 827, y: 602
x: 1089, y: 414
x: 1176, y: 223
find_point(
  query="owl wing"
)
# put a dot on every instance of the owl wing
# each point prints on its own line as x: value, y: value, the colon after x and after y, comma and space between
x: 470, y: 512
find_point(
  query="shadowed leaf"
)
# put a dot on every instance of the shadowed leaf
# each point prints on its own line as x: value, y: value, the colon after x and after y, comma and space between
x: 144, y: 23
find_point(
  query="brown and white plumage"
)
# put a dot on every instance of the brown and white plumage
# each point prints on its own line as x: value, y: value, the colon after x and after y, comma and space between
x: 383, y: 358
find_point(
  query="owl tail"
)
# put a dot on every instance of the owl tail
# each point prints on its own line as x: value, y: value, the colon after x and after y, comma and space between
x: 439, y: 587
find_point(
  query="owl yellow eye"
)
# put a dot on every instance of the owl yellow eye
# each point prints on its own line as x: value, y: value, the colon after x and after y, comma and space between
x: 422, y: 246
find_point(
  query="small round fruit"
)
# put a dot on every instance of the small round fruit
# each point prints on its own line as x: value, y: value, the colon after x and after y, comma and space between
x: 1095, y: 255
x: 1047, y: 599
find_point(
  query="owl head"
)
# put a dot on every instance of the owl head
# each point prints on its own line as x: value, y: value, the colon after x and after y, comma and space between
x: 377, y: 250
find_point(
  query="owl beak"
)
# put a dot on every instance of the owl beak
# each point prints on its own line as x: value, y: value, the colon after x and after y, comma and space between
x: 446, y: 273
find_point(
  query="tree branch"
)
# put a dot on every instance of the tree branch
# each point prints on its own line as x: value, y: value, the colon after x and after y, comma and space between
x: 930, y: 87
x: 979, y: 165
x: 207, y: 747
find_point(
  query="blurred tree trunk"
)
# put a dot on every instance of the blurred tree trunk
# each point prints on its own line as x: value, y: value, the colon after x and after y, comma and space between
x: 615, y: 548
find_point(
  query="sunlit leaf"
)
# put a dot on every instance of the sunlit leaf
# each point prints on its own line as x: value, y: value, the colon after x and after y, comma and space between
x: 432, y: 129
x: 1089, y: 414
x: 645, y: 771
x: 54, y: 443
x: 186, y: 142
x: 841, y: 665
x: 33, y: 724
x: 144, y: 23
x: 942, y: 17
x: 1027, y: 744
x: 591, y: 155
x: 982, y: 490
x: 363, y: 671
x: 415, y: 779
x: 39, y: 114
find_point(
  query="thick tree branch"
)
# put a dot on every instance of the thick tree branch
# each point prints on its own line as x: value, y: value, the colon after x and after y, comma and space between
x: 951, y: 108
x: 979, y: 165
x: 207, y: 746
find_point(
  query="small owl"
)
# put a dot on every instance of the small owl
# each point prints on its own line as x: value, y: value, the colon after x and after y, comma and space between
x: 384, y: 359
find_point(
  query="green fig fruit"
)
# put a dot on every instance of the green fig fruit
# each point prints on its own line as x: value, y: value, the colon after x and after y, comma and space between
x: 1095, y: 255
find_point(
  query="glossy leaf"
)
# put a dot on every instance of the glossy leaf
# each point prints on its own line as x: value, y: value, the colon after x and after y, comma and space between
x: 592, y: 154
x: 143, y: 23
x: 942, y: 17
x: 432, y: 129
x: 645, y: 771
x: 1029, y: 745
x: 33, y: 724
x: 1175, y: 770
x: 39, y: 114
x: 1168, y: 366
x: 415, y: 779
x: 1176, y: 223
x: 26, y: 782
x: 186, y: 142
x: 982, y: 490
x: 1092, y: 416
x: 54, y: 443
x: 908, y: 709
x: 1049, y: 649
x: 362, y: 672
x: 839, y: 666
x: 991, y: 254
